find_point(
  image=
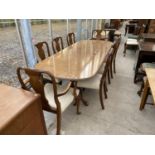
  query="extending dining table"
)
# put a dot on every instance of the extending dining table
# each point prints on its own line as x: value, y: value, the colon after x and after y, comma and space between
x: 79, y: 61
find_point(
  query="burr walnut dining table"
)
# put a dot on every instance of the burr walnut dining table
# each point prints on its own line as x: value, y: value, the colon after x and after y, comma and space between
x: 79, y: 61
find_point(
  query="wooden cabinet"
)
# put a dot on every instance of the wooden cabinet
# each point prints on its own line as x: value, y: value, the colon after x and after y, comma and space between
x: 20, y: 112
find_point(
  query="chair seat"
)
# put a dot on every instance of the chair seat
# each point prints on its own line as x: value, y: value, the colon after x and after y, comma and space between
x: 92, y: 83
x: 65, y: 100
x: 132, y: 42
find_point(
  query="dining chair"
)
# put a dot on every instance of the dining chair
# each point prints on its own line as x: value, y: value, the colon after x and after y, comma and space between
x: 97, y: 82
x: 42, y: 50
x: 133, y: 39
x: 55, y: 98
x: 98, y: 34
x: 70, y: 38
x: 43, y: 53
x: 57, y: 44
x: 112, y: 66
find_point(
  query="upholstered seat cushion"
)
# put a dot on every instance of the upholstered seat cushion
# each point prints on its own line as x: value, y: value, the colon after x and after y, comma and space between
x: 65, y: 100
x: 132, y: 42
x: 92, y: 83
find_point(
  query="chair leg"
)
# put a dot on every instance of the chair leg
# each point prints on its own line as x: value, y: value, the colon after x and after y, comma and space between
x: 58, y: 132
x: 111, y: 70
x: 114, y: 66
x: 78, y: 105
x: 105, y: 90
x: 109, y: 77
x: 100, y: 95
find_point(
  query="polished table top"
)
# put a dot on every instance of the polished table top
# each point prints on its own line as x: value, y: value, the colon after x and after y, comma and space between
x: 150, y: 72
x: 79, y: 61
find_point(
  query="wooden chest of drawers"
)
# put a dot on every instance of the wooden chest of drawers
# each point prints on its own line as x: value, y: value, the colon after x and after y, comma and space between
x: 20, y: 112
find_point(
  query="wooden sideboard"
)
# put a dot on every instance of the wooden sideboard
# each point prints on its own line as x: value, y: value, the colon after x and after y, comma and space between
x: 20, y: 112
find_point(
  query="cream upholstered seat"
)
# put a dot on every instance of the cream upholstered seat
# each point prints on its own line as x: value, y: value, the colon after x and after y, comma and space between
x: 65, y: 100
x: 92, y: 83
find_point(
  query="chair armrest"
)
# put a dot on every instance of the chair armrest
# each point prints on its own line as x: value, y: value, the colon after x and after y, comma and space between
x: 66, y: 89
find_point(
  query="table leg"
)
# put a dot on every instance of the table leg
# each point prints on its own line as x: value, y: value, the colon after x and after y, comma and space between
x: 77, y: 97
x: 144, y: 95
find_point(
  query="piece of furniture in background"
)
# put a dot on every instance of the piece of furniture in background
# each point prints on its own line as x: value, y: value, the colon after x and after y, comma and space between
x: 54, y: 98
x: 70, y: 38
x: 151, y: 26
x: 150, y: 37
x: 149, y: 85
x: 115, y: 23
x: 146, y: 53
x: 130, y: 28
x: 20, y: 112
x: 144, y: 66
x: 42, y: 50
x: 57, y: 44
x: 130, y: 42
x: 133, y: 39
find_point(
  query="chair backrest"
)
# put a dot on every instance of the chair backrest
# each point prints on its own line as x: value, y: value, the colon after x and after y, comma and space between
x: 41, y: 50
x: 57, y: 44
x: 98, y: 34
x: 107, y: 62
x: 116, y: 46
x: 70, y: 38
x: 37, y: 83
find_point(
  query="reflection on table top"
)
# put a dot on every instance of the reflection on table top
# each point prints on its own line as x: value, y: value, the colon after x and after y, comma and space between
x: 79, y: 61
x: 147, y: 46
x: 150, y: 72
